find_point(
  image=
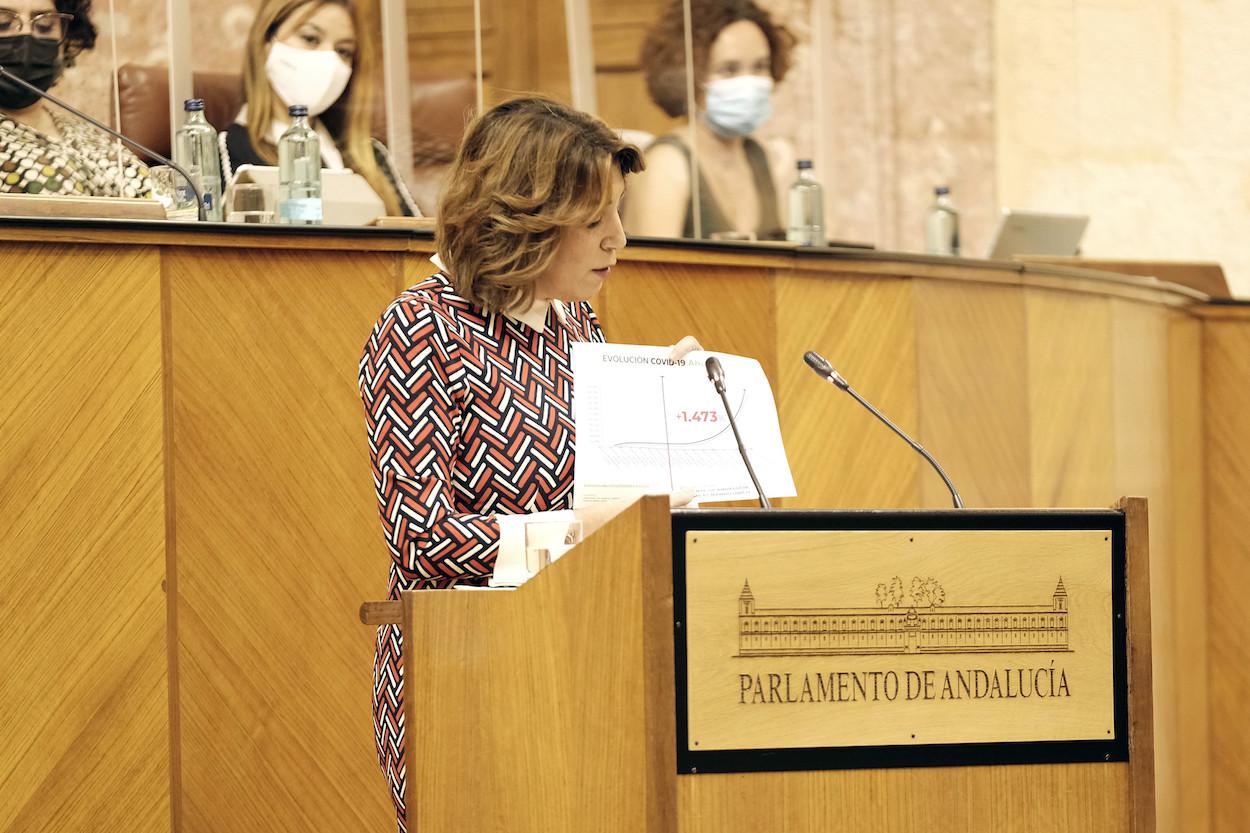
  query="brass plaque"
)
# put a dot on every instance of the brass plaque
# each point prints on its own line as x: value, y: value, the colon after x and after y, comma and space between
x: 941, y: 640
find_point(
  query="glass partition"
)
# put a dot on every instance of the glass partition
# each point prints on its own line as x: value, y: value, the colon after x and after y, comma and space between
x: 718, y: 95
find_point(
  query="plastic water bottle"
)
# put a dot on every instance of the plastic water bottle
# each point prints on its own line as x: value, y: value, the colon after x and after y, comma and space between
x: 195, y: 148
x: 941, y: 230
x: 807, y: 208
x: 299, y: 172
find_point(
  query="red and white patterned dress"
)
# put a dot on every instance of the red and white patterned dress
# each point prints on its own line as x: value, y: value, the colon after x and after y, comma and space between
x: 470, y: 415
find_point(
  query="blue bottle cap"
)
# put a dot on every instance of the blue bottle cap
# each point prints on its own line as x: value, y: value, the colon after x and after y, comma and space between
x: 298, y: 110
x: 192, y: 104
x: 805, y: 164
x: 942, y: 190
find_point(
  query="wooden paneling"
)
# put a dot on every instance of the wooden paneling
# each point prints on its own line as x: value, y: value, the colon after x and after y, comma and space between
x: 1226, y: 392
x: 278, y: 538
x: 84, y: 730
x: 565, y: 687
x: 1139, y: 359
x: 909, y: 800
x: 727, y: 309
x: 624, y: 103
x: 1187, y: 571
x: 440, y: 37
x: 525, y: 49
x: 1139, y: 605
x: 1071, y: 417
x: 866, y: 330
x: 974, y: 402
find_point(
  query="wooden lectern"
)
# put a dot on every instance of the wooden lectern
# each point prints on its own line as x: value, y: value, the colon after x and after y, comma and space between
x: 743, y: 670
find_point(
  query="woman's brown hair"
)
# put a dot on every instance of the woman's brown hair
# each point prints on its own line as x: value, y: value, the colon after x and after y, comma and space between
x: 526, y: 170
x: 664, y: 48
x: 349, y: 119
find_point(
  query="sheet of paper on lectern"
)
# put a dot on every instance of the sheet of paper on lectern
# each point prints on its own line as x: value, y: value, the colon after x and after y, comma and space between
x: 648, y: 424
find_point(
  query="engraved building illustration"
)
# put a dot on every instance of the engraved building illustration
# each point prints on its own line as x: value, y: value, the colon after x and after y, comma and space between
x: 935, y: 629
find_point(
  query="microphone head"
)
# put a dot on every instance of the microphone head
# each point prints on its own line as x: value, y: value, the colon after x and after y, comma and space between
x: 715, y: 373
x: 818, y: 363
x: 823, y: 369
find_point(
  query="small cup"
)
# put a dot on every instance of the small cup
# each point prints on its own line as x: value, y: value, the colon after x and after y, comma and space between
x: 173, y: 192
x: 247, y: 204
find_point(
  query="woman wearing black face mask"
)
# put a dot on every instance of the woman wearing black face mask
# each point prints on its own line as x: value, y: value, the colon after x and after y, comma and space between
x: 44, y: 150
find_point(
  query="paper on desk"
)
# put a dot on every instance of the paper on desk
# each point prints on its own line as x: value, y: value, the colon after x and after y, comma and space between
x: 647, y: 424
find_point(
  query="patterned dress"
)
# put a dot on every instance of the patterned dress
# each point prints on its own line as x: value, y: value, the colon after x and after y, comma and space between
x: 470, y: 415
x: 85, y: 161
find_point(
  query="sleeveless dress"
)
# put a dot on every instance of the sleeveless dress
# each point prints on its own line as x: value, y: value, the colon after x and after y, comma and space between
x: 712, y: 215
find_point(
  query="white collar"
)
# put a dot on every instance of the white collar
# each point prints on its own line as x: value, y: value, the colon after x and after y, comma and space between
x: 558, y: 306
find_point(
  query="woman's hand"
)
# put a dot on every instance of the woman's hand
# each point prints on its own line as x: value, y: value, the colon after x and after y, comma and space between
x: 687, y: 345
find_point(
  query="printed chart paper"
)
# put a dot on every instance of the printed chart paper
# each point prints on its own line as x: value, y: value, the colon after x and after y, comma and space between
x: 648, y: 424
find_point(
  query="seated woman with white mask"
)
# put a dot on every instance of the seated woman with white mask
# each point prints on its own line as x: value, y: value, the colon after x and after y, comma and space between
x: 306, y: 52
x: 739, y: 53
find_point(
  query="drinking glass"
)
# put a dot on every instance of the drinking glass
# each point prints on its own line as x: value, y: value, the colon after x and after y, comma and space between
x: 172, y: 191
x: 247, y: 204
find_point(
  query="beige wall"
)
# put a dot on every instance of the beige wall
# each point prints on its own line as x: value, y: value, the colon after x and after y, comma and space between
x: 1132, y: 112
x: 910, y: 97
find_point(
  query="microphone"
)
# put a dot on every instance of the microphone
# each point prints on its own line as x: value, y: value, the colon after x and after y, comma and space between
x: 826, y: 371
x: 21, y: 82
x: 716, y: 375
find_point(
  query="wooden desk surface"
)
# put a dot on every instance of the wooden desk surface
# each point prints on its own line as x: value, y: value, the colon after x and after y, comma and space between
x: 849, y: 261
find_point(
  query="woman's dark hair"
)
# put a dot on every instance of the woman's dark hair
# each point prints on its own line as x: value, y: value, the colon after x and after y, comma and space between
x: 663, y: 55
x: 82, y: 32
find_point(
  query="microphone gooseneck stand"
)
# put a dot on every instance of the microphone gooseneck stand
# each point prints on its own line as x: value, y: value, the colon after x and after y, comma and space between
x: 826, y: 371
x: 716, y: 375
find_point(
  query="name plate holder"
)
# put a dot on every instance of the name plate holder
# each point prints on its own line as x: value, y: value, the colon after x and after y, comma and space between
x: 810, y: 640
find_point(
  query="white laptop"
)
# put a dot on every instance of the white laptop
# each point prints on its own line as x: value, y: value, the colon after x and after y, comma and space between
x: 347, y: 199
x: 1035, y: 233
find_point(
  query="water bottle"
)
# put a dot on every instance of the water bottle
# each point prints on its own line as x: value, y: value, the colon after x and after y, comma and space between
x: 195, y: 149
x: 941, y: 231
x: 807, y: 208
x: 299, y: 172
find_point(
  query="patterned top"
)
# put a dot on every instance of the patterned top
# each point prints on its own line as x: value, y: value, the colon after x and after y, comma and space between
x: 470, y: 415
x: 83, y: 162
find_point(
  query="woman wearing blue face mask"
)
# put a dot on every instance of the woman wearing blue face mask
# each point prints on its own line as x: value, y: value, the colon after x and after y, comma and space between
x: 739, y: 54
x: 308, y: 52
x: 44, y: 150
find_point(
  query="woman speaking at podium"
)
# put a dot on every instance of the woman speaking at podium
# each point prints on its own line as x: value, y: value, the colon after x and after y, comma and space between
x: 466, y: 377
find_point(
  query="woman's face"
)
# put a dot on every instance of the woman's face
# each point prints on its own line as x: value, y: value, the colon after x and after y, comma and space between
x: 328, y: 27
x: 739, y: 49
x: 586, y: 254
